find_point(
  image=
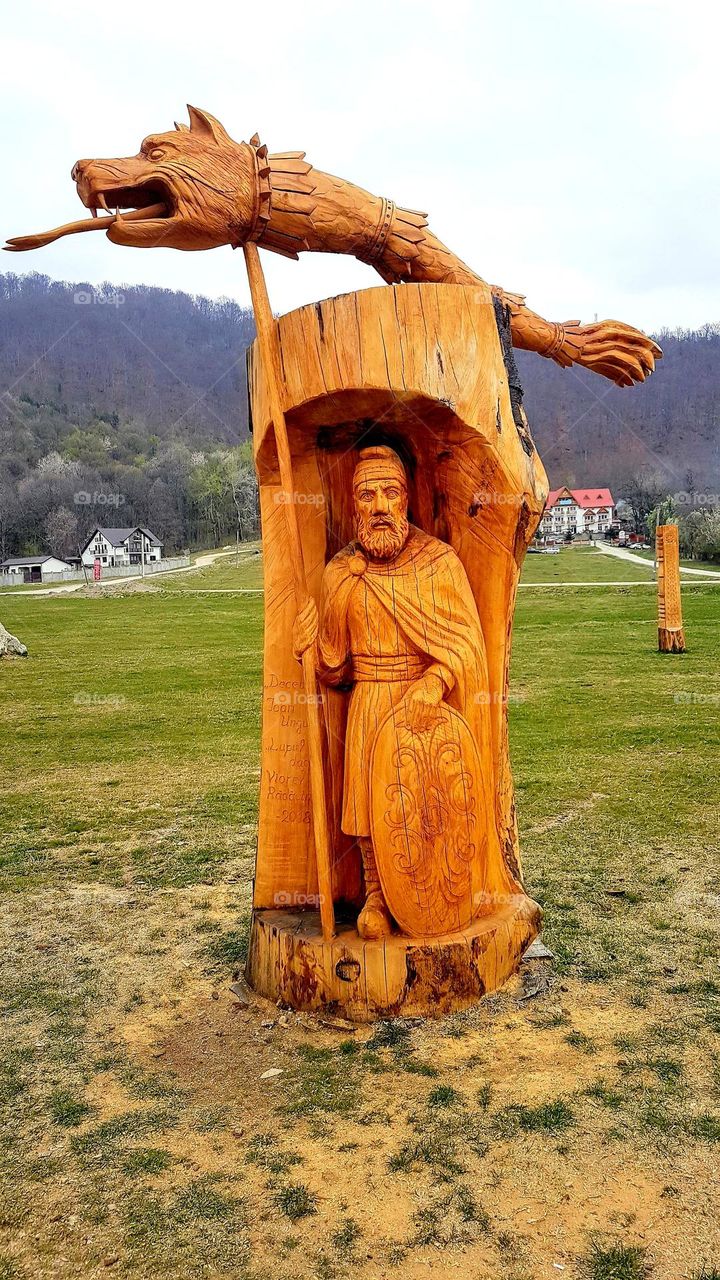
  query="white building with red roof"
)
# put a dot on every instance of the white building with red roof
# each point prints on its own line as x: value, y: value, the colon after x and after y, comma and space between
x: 577, y: 511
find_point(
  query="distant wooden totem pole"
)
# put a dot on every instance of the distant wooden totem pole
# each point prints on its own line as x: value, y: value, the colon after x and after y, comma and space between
x: 399, y: 490
x: 671, y: 636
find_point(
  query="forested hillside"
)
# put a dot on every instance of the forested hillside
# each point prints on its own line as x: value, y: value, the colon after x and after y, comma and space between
x: 124, y: 406
x: 121, y: 406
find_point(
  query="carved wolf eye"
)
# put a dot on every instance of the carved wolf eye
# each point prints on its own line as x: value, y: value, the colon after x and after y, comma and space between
x: 157, y: 153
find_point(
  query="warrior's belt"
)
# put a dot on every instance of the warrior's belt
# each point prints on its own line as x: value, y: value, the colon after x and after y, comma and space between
x: 393, y: 667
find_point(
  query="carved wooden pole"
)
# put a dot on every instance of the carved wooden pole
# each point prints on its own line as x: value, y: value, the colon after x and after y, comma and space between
x: 267, y: 342
x: 671, y: 637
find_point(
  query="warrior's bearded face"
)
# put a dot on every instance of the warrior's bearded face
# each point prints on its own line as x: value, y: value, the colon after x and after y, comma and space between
x: 381, y: 514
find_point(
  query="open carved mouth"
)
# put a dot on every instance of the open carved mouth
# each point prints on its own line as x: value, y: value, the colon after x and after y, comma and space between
x: 144, y: 202
x: 142, y: 198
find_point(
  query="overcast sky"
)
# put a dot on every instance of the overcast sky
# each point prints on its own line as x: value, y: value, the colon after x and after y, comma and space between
x: 566, y: 150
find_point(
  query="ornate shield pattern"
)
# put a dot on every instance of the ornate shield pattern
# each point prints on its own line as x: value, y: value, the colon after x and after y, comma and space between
x: 428, y: 821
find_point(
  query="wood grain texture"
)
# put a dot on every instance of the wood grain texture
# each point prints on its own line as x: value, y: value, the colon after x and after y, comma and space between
x: 429, y: 820
x: 422, y: 368
x: 671, y: 636
x: 392, y: 977
x: 267, y: 345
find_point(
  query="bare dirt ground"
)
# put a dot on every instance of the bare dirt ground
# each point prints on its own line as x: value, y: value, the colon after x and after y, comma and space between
x: 492, y: 1142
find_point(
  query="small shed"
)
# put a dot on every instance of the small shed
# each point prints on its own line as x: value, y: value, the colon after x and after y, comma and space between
x: 33, y: 568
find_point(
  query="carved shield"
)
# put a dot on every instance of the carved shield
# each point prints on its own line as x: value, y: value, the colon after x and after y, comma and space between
x: 428, y: 821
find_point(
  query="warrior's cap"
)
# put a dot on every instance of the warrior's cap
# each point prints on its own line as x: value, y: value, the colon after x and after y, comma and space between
x: 379, y: 462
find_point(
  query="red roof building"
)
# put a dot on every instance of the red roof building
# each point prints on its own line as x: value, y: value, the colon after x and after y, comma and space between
x: 586, y: 510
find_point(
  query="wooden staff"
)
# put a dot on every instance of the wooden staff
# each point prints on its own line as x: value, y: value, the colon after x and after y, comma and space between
x: 267, y: 342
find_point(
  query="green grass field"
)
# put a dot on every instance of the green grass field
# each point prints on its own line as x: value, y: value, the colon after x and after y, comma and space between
x: 582, y: 564
x: 244, y: 572
x: 710, y: 565
x: 578, y: 1129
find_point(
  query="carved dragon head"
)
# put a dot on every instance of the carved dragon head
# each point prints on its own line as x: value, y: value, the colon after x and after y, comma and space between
x: 205, y: 181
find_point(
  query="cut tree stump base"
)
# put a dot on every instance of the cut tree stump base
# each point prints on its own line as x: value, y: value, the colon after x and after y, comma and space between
x: 671, y: 641
x: 391, y: 977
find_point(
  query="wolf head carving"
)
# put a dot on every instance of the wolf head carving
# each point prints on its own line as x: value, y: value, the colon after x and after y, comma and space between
x: 206, y: 181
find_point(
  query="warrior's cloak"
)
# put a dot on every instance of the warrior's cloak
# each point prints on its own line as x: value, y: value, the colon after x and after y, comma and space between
x: 384, y: 624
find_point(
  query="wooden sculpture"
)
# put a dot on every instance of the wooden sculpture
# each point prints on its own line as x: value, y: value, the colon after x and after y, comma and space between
x: 399, y: 490
x: 195, y: 188
x: 417, y: 490
x: 671, y: 636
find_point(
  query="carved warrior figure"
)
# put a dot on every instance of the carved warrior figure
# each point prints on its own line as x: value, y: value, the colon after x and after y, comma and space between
x: 398, y: 623
x: 196, y: 188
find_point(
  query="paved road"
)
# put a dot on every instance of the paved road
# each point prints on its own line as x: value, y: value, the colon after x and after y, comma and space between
x: 202, y: 562
x: 633, y: 582
x: 621, y: 553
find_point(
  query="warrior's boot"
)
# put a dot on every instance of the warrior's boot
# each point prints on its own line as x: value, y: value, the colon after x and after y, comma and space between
x: 374, y: 919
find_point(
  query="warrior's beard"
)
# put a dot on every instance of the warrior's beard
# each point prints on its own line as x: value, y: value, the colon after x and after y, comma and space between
x: 382, y: 537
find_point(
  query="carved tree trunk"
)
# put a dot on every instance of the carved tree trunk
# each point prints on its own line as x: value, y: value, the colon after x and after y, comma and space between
x: 671, y: 636
x: 422, y: 368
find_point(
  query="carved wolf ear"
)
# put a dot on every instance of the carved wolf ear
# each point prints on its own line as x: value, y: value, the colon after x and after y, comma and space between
x: 201, y: 122
x: 181, y: 128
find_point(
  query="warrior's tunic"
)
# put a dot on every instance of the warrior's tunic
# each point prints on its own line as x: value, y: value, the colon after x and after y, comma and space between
x: 385, y: 624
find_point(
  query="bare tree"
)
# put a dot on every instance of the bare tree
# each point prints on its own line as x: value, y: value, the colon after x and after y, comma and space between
x: 61, y: 532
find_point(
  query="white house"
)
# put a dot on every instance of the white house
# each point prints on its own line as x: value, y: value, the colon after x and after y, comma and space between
x: 33, y: 568
x: 115, y: 547
x: 577, y: 511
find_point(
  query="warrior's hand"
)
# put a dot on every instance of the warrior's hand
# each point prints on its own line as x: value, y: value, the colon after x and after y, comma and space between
x: 608, y: 347
x: 305, y: 628
x: 421, y: 700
